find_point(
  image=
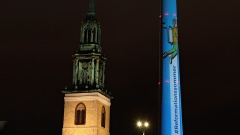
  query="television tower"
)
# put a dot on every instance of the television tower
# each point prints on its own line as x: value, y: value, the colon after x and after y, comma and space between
x: 171, y: 120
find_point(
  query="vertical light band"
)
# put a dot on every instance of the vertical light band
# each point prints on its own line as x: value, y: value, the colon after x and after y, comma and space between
x: 171, y: 93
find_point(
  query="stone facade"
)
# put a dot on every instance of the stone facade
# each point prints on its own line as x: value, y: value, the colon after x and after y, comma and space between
x: 94, y: 103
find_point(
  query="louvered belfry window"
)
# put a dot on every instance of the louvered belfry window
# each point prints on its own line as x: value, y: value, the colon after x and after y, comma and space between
x: 80, y: 114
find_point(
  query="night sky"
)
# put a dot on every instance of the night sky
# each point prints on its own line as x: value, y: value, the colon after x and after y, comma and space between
x: 38, y: 38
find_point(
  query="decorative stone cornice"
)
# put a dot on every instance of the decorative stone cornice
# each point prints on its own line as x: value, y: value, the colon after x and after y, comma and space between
x: 87, y: 97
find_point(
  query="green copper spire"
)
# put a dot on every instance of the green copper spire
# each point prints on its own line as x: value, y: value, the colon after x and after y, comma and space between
x: 90, y: 31
x: 89, y: 60
x: 91, y: 7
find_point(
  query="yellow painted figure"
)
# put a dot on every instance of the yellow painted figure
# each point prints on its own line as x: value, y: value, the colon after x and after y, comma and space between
x: 173, y: 40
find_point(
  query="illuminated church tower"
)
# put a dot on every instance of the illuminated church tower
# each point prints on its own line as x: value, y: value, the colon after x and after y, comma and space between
x: 87, y: 103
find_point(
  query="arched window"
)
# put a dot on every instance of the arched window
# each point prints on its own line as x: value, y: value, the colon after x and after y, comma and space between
x: 80, y: 114
x: 94, y: 35
x: 89, y: 35
x: 85, y: 36
x: 103, y: 117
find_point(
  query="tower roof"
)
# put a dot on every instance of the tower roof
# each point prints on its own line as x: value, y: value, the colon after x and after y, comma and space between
x: 88, y: 60
x: 90, y: 33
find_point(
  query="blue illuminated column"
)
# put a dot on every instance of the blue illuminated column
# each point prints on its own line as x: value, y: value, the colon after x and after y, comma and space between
x: 171, y: 94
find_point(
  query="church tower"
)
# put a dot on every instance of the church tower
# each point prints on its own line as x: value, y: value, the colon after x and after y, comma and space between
x: 87, y: 102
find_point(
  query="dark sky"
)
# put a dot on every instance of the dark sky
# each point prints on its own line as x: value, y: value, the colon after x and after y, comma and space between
x: 38, y: 38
